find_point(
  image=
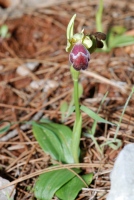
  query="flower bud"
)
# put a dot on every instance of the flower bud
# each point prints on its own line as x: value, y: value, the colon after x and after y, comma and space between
x: 79, y: 57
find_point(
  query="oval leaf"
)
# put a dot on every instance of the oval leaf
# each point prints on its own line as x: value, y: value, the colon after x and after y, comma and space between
x: 48, y: 141
x: 54, y: 139
x: 64, y: 134
x: 50, y: 182
x: 71, y: 189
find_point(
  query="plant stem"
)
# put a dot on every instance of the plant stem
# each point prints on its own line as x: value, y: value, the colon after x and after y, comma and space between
x: 99, y: 27
x: 76, y: 99
x: 96, y: 144
x: 99, y: 17
x: 78, y: 121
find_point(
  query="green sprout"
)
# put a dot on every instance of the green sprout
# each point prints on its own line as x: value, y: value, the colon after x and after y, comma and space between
x: 4, y: 32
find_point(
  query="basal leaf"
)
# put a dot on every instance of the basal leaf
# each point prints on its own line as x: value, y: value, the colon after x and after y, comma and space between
x: 45, y: 120
x: 48, y: 141
x: 55, y: 139
x: 94, y: 116
x: 48, y: 183
x: 64, y: 134
x: 71, y: 189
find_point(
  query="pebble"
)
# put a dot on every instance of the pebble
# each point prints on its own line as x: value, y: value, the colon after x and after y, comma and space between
x: 23, y: 70
x: 46, y: 85
x: 1, y: 67
x: 5, y: 193
x: 122, y: 176
x: 37, y: 84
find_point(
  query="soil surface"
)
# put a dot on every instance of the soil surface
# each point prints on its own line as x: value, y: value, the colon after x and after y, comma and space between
x: 38, y: 39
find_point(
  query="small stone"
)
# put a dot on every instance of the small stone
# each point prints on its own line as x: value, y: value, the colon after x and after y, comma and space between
x: 14, y: 3
x: 122, y: 176
x: 5, y: 193
x: 1, y: 67
x: 32, y: 65
x: 37, y: 84
x: 49, y: 84
x: 23, y: 70
x: 43, y: 84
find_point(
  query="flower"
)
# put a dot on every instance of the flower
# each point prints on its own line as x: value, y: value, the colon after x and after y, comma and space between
x: 79, y: 56
x: 81, y: 46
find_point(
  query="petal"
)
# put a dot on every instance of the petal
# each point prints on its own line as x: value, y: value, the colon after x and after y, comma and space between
x: 79, y: 57
x: 78, y: 47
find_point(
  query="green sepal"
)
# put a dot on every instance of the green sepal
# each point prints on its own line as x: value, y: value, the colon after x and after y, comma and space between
x: 70, y: 32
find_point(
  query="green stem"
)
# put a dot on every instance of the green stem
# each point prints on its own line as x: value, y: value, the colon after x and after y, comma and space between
x: 99, y: 27
x: 76, y: 99
x: 99, y: 17
x: 78, y: 121
x: 96, y: 144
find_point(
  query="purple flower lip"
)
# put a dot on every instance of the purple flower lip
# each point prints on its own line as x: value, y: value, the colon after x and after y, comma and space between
x: 79, y: 57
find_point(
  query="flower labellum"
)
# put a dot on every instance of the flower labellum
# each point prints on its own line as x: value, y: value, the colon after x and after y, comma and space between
x: 79, y: 57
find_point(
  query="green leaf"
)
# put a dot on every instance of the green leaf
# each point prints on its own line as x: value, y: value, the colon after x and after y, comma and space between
x: 54, y: 139
x: 93, y: 129
x: 5, y: 128
x: 119, y: 30
x: 76, y: 139
x: 121, y: 40
x: 71, y: 189
x: 70, y: 110
x: 113, y: 143
x: 3, y: 31
x: 45, y: 120
x: 48, y: 141
x: 64, y: 134
x: 116, y: 144
x: 63, y: 109
x: 93, y: 115
x: 48, y: 183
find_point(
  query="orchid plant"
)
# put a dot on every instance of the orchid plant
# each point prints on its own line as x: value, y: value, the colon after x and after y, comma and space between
x: 65, y: 179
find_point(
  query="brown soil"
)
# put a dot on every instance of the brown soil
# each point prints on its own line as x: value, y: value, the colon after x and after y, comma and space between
x: 40, y: 37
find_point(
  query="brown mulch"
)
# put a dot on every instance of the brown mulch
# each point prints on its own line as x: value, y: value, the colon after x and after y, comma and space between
x: 40, y: 37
